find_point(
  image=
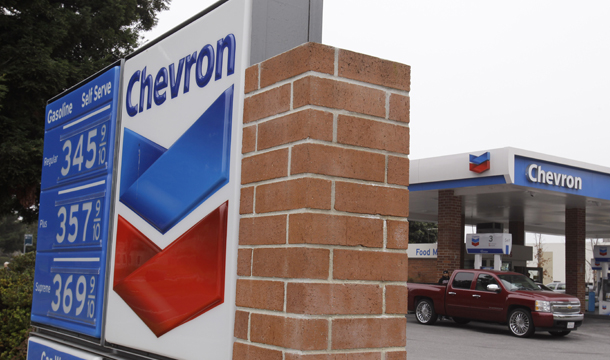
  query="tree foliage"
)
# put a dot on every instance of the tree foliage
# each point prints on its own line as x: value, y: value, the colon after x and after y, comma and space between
x: 12, y: 231
x: 46, y: 46
x: 539, y: 256
x: 422, y: 232
x: 16, y: 288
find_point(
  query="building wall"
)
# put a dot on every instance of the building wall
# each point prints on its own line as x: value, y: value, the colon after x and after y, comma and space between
x: 556, y: 263
x: 423, y: 270
x: 556, y: 255
x: 549, y: 262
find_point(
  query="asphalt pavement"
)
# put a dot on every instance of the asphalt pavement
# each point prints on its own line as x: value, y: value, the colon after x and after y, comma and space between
x: 449, y: 341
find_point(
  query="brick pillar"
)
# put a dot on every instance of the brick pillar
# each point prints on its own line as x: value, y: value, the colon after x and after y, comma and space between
x: 517, y: 230
x: 322, y: 260
x: 575, y: 253
x: 462, y: 237
x: 450, y: 233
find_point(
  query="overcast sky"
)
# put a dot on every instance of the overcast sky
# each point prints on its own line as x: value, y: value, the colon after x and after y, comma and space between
x: 529, y: 74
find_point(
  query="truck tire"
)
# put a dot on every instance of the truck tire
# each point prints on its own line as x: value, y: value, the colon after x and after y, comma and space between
x: 520, y: 323
x: 560, y: 333
x: 424, y: 312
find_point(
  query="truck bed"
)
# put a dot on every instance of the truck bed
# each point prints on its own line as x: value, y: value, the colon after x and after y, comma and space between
x: 433, y: 291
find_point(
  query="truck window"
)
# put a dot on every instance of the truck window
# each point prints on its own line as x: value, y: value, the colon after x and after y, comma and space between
x: 517, y: 282
x: 462, y: 280
x: 483, y: 280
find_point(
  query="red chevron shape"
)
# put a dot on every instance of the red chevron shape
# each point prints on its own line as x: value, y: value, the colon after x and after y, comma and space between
x: 484, y: 166
x: 167, y: 288
x: 133, y: 249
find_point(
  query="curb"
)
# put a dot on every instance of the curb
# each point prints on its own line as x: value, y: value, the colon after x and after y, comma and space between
x: 589, y: 315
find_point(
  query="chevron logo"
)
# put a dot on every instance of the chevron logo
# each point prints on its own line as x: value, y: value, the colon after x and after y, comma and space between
x: 169, y: 287
x: 475, y: 241
x: 480, y: 163
x: 163, y: 186
x: 603, y: 251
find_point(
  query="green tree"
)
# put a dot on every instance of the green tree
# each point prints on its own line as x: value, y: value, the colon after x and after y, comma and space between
x: 12, y: 231
x: 46, y: 46
x: 16, y: 288
x: 422, y: 232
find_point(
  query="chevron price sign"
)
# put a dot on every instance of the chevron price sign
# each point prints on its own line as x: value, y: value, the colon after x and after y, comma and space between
x: 171, y: 288
x: 489, y: 243
x: 600, y: 253
x: 74, y: 215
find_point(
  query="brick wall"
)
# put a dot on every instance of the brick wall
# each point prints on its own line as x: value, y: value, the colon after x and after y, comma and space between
x: 575, y: 253
x: 423, y: 271
x: 450, y: 233
x: 517, y: 230
x: 322, y: 260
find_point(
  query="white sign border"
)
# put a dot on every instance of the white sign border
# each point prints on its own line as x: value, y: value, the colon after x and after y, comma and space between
x: 209, y: 336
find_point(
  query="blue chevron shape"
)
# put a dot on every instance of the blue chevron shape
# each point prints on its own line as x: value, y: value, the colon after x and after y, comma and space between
x: 478, y: 160
x: 139, y: 153
x: 162, y: 186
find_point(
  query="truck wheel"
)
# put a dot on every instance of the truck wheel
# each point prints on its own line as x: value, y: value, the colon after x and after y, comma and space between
x: 520, y: 323
x: 560, y: 333
x: 424, y: 312
x: 461, y: 321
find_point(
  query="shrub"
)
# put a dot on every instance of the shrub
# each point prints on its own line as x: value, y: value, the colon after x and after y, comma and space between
x: 16, y: 287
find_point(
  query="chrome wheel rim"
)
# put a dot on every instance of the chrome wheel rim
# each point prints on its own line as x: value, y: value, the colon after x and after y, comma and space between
x: 424, y: 312
x: 519, y: 323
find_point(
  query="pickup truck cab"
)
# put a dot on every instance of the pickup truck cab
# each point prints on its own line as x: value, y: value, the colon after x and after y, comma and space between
x: 496, y: 296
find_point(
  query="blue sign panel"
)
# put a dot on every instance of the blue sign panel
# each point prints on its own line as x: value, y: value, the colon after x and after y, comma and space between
x: 83, y: 100
x: 74, y: 217
x: 546, y: 175
x: 485, y: 251
x: 78, y: 149
x: 69, y: 288
x: 42, y: 349
x: 74, y: 209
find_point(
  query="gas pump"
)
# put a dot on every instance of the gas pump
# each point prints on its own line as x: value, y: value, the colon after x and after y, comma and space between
x: 603, y: 256
x: 496, y: 244
x: 597, y: 281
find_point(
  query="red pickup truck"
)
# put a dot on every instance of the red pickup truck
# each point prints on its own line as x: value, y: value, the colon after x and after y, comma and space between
x: 496, y: 296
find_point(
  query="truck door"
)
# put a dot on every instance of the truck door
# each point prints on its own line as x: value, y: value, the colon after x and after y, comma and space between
x: 459, y: 295
x: 487, y: 305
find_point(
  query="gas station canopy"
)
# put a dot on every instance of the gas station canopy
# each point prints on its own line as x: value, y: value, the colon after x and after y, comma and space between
x: 509, y: 184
